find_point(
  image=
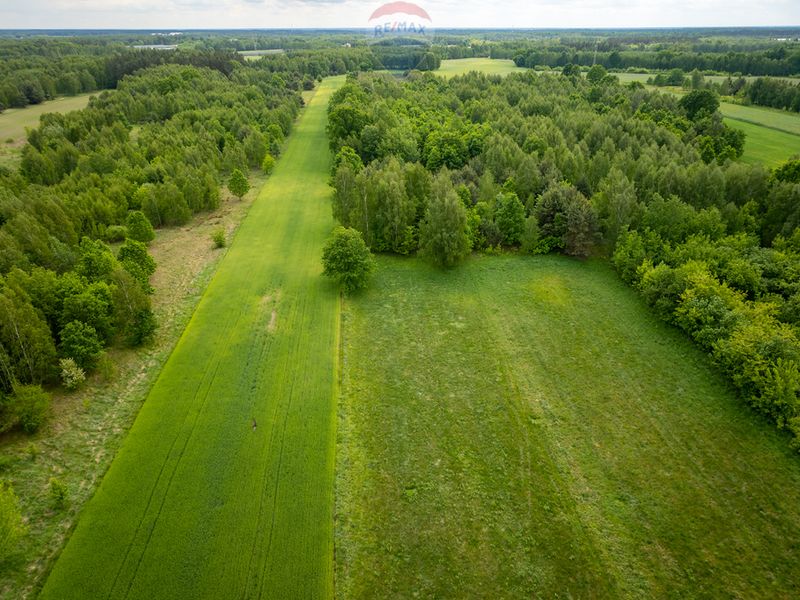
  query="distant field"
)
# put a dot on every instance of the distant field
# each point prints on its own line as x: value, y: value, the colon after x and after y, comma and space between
x: 451, y: 68
x: 523, y: 427
x: 257, y: 54
x: 198, y: 502
x: 14, y: 120
x: 760, y: 115
x: 767, y: 146
x: 625, y: 77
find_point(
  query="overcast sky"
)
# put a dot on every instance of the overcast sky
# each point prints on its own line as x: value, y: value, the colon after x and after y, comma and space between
x: 218, y: 14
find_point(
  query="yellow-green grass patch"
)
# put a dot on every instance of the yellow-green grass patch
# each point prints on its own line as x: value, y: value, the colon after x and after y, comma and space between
x: 489, y: 66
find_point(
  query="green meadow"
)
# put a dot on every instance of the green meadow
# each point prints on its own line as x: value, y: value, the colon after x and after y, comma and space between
x: 524, y: 427
x: 461, y: 66
x: 13, y: 121
x: 224, y: 486
x: 765, y: 145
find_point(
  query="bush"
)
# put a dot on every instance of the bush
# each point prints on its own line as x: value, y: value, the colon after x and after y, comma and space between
x: 72, y: 376
x: 268, y: 164
x: 30, y: 404
x: 139, y: 228
x: 59, y: 493
x: 347, y: 259
x: 238, y: 184
x: 219, y: 238
x: 32, y: 450
x: 116, y: 233
x: 12, y: 527
x: 531, y: 236
x: 509, y: 215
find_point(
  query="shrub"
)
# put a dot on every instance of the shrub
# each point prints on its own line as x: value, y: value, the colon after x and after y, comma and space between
x: 509, y: 215
x: 116, y: 233
x: 72, y: 376
x: 59, y: 493
x: 531, y: 236
x: 30, y: 404
x: 135, y: 259
x: 219, y: 238
x: 32, y: 450
x: 238, y: 184
x: 139, y: 228
x: 268, y: 164
x: 106, y: 367
x: 12, y: 527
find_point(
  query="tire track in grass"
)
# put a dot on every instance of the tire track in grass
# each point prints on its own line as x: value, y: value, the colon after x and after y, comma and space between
x: 218, y: 485
x: 150, y: 501
x: 265, y: 477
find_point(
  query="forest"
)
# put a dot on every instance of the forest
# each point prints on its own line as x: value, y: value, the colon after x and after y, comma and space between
x: 586, y: 166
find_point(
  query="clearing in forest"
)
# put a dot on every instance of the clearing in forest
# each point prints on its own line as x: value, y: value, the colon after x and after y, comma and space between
x: 523, y: 427
x: 490, y: 66
x: 224, y: 486
x: 13, y: 121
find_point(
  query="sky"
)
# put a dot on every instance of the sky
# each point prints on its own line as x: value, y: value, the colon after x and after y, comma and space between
x: 256, y: 14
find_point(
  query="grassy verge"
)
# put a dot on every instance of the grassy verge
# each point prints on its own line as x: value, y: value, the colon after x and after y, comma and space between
x: 224, y: 485
x: 523, y: 427
x: 87, y: 426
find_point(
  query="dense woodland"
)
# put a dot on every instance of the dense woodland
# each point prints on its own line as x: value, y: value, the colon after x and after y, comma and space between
x: 586, y: 167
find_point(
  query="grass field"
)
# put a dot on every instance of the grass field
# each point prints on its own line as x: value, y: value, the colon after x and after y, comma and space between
x: 14, y: 120
x: 461, y: 66
x: 773, y: 118
x: 199, y: 503
x: 764, y: 145
x: 625, y: 77
x: 523, y: 427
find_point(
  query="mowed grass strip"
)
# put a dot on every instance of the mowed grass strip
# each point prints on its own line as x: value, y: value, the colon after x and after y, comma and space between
x: 523, y: 427
x: 199, y: 503
x: 490, y: 66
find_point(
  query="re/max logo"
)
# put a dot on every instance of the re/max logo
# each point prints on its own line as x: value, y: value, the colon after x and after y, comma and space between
x: 400, y: 27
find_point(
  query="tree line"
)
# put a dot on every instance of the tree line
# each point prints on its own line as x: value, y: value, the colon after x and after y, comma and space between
x: 92, y: 185
x: 775, y: 60
x: 586, y: 166
x: 36, y: 70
